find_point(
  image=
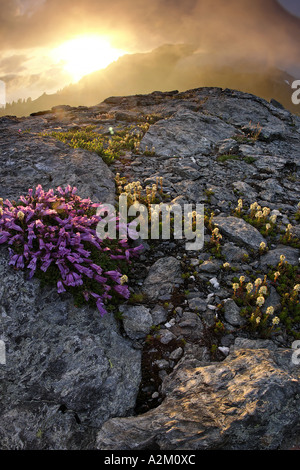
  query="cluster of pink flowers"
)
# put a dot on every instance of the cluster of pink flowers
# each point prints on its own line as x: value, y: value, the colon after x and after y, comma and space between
x: 46, y: 229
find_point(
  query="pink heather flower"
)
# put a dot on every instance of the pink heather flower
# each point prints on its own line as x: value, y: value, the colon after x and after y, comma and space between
x: 70, y: 281
x: 123, y: 291
x: 86, y: 295
x: 63, y: 240
x: 82, y: 269
x: 4, y: 236
x: 63, y: 269
x: 100, y: 279
x: 20, y: 262
x: 115, y: 275
x: 101, y: 307
x: 77, y: 279
x: 46, y: 265
x: 96, y: 268
x: 60, y: 287
x: 39, y: 223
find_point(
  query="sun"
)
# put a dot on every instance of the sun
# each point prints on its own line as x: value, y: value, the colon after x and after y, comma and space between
x: 85, y: 54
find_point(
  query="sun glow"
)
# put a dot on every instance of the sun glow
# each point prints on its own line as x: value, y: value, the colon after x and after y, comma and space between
x: 86, y: 54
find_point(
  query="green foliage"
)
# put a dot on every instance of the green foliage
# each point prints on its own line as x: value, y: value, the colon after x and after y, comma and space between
x: 251, y: 299
x: 286, y: 280
x: 226, y: 157
x: 137, y: 298
x: 107, y: 146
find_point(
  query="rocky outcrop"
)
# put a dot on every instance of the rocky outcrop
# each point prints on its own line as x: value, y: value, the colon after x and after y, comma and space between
x: 176, y: 366
x: 28, y: 160
x: 247, y: 402
x: 240, y: 231
x: 66, y: 372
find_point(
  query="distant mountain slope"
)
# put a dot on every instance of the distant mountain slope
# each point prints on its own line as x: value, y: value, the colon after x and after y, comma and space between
x: 168, y: 68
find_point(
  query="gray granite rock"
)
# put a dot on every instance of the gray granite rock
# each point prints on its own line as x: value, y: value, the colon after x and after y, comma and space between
x: 217, y: 406
x: 62, y: 364
x: 239, y: 231
x: 159, y: 314
x: 137, y: 320
x: 162, y: 278
x: 186, y: 133
x: 30, y: 160
x: 70, y: 374
x: 272, y: 258
x: 232, y: 313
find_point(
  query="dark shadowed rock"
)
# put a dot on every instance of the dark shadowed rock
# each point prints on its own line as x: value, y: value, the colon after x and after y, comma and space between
x: 232, y: 313
x: 64, y: 365
x: 272, y: 258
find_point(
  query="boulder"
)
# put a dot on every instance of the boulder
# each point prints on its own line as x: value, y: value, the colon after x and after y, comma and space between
x: 186, y: 133
x: 272, y: 258
x: 162, y: 278
x: 250, y: 401
x: 137, y: 320
x: 32, y: 160
x: 67, y: 369
x: 239, y: 231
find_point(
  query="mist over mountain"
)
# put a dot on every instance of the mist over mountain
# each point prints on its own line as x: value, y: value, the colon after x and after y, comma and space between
x: 168, y: 67
x: 251, y: 46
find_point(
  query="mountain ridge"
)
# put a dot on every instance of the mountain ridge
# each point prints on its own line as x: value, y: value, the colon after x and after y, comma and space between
x: 168, y: 67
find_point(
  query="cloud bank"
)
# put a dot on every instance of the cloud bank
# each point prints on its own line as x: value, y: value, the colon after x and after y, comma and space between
x: 221, y: 31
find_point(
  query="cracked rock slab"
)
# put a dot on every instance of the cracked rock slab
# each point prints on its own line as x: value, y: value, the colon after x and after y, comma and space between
x: 61, y: 361
x: 239, y: 231
x: 246, y: 402
x: 162, y: 278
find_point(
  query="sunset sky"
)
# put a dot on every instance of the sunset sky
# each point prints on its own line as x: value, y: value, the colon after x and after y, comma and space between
x: 47, y: 44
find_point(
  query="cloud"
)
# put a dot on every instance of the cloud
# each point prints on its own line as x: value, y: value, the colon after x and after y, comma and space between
x: 221, y: 30
x: 244, y: 26
x: 28, y: 7
x: 22, y: 86
x: 14, y: 63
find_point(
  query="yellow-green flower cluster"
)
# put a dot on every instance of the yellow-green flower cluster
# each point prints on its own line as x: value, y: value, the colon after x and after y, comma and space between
x: 262, y: 247
x: 282, y: 260
x: 252, y: 297
x: 260, y: 301
x: 249, y: 287
x: 288, y: 236
x: 216, y: 236
x: 239, y: 206
x: 123, y: 279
